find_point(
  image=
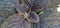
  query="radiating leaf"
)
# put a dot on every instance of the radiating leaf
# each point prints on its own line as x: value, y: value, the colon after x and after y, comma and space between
x: 13, y: 21
x: 44, y: 3
x: 7, y: 11
x: 39, y: 4
x: 29, y: 2
x: 21, y: 8
x: 36, y: 9
x: 33, y: 17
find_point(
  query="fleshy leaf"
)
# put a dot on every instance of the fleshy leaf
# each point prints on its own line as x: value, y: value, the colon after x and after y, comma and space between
x: 14, y: 21
x: 36, y: 9
x: 44, y: 3
x: 7, y: 11
x: 39, y: 4
x: 29, y: 2
x: 33, y: 17
x: 21, y: 8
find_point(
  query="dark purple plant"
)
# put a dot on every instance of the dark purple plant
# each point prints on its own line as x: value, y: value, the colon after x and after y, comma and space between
x: 26, y: 15
x: 26, y: 11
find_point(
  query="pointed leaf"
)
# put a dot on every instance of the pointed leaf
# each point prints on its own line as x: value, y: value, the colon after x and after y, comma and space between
x: 39, y: 4
x: 21, y: 8
x: 36, y: 9
x: 29, y: 2
x: 33, y: 17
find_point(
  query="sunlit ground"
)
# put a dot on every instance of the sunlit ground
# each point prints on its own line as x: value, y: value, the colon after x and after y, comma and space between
x: 58, y: 9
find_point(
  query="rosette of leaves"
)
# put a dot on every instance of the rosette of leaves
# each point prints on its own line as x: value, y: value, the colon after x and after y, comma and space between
x: 26, y: 14
x: 23, y: 18
x: 26, y: 11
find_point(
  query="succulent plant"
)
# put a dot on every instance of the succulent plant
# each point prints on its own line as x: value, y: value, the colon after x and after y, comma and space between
x: 22, y: 19
x: 27, y: 13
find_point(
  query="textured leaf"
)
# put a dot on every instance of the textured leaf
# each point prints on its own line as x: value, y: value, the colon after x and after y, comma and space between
x: 39, y: 4
x: 36, y: 9
x: 25, y: 24
x: 47, y: 12
x: 33, y: 17
x: 29, y: 2
x: 21, y: 8
x: 44, y: 3
x: 14, y: 21
x: 7, y: 11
